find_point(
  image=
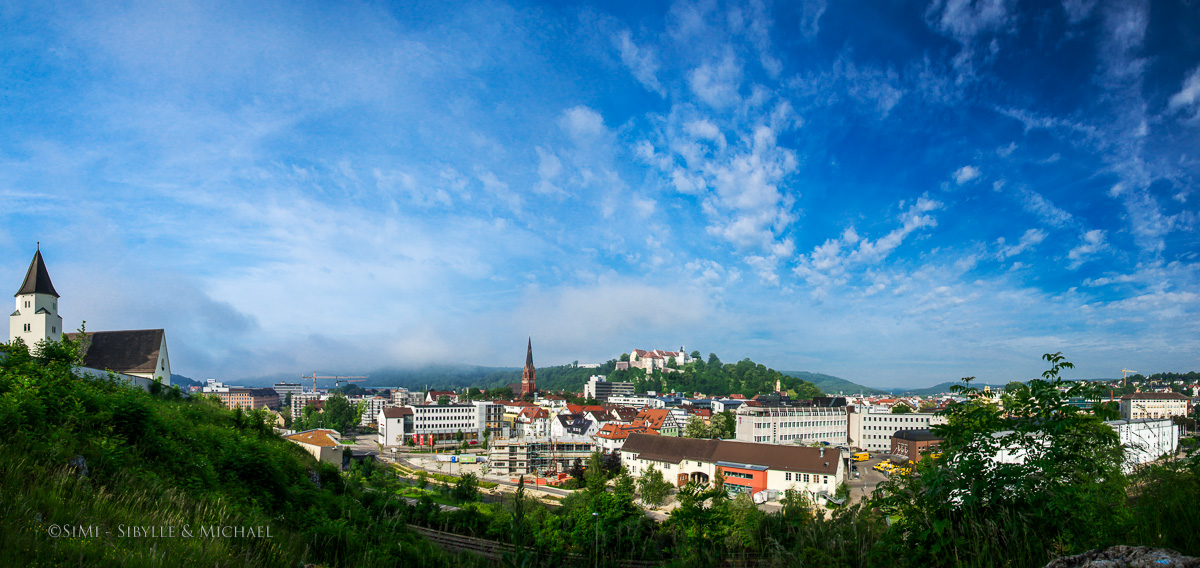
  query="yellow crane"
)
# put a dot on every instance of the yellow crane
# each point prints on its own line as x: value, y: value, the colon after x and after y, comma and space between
x: 1125, y: 377
x: 336, y: 378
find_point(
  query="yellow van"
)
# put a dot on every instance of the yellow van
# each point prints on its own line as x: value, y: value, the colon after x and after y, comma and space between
x: 862, y: 457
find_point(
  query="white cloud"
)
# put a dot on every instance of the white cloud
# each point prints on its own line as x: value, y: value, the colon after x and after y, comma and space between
x: 965, y: 174
x: 640, y: 61
x: 718, y: 84
x: 1091, y: 242
x: 828, y: 265
x: 966, y: 19
x: 584, y: 124
x: 1030, y: 239
x: 549, y: 169
x: 1078, y: 10
x: 1188, y: 93
x: 499, y: 189
x: 1050, y: 214
x: 810, y: 17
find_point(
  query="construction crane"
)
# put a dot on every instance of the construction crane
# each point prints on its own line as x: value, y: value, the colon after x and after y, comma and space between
x: 315, y: 376
x: 1125, y: 377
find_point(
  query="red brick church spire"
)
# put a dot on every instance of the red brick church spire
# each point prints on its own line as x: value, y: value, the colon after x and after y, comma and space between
x: 529, y: 375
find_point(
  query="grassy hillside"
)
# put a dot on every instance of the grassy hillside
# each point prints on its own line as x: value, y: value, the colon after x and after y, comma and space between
x: 164, y: 461
x: 832, y: 385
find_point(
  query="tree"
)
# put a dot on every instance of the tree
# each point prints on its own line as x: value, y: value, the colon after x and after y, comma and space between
x: 1059, y: 495
x: 901, y: 408
x: 487, y: 436
x: 466, y: 489
x: 340, y: 414
x: 625, y: 357
x: 1108, y: 410
x: 594, y: 474
x: 653, y: 488
x: 443, y: 400
x: 696, y: 428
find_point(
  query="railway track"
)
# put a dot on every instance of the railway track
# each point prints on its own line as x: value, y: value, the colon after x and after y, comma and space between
x: 494, y: 550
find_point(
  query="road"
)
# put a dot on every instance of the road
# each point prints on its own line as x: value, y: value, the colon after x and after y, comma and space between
x: 863, y: 487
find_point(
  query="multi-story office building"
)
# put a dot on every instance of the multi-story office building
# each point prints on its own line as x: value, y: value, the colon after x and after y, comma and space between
x: 1141, y: 405
x: 634, y: 400
x: 538, y: 456
x: 792, y: 424
x: 301, y: 400
x: 371, y: 407
x: 250, y: 399
x: 442, y: 423
x: 600, y: 389
x: 285, y: 389
x: 873, y: 431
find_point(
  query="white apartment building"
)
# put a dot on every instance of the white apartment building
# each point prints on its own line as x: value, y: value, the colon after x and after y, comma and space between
x: 444, y: 422
x: 599, y: 388
x: 792, y: 424
x: 1146, y: 440
x: 1143, y: 405
x: 371, y: 408
x: 872, y: 431
x: 634, y: 400
x: 299, y: 401
x: 285, y: 389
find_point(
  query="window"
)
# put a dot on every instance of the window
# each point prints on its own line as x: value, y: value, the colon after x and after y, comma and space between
x: 787, y: 476
x: 28, y: 328
x: 806, y: 478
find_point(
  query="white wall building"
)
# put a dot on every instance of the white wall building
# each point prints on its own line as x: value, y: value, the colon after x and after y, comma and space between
x: 792, y: 424
x: 599, y: 388
x: 1146, y: 440
x: 747, y: 467
x: 634, y: 400
x: 444, y: 422
x: 1154, y: 405
x: 872, y: 431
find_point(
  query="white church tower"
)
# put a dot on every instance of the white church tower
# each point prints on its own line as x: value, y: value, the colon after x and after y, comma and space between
x: 37, y: 316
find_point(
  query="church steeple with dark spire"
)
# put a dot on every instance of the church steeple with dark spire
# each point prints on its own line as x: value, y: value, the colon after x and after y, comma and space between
x: 36, y: 318
x: 529, y: 375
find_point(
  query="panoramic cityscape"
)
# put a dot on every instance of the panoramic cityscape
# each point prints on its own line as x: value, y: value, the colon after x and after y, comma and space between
x: 587, y: 284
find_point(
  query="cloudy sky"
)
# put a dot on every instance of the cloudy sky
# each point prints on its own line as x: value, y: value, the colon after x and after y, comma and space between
x: 895, y: 193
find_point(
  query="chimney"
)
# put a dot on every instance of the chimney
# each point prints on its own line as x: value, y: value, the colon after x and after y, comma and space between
x: 823, y: 452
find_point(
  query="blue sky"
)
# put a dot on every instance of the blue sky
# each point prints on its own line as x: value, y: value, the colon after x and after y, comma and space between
x: 895, y: 193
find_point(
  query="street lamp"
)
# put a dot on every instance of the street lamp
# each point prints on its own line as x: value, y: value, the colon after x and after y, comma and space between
x: 597, y: 547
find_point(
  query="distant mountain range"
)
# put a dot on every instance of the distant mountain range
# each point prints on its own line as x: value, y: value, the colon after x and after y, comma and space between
x: 457, y: 376
x: 832, y: 385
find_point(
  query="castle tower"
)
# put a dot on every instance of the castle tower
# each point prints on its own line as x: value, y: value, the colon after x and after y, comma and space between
x: 529, y: 375
x: 36, y: 318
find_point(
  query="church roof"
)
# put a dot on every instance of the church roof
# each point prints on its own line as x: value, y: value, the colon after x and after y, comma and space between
x: 37, y: 278
x: 129, y: 351
x: 528, y: 354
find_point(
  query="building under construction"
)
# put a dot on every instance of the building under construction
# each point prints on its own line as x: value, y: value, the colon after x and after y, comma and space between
x: 543, y: 456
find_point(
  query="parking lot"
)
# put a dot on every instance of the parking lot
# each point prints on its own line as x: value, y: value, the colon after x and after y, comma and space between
x: 869, y: 478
